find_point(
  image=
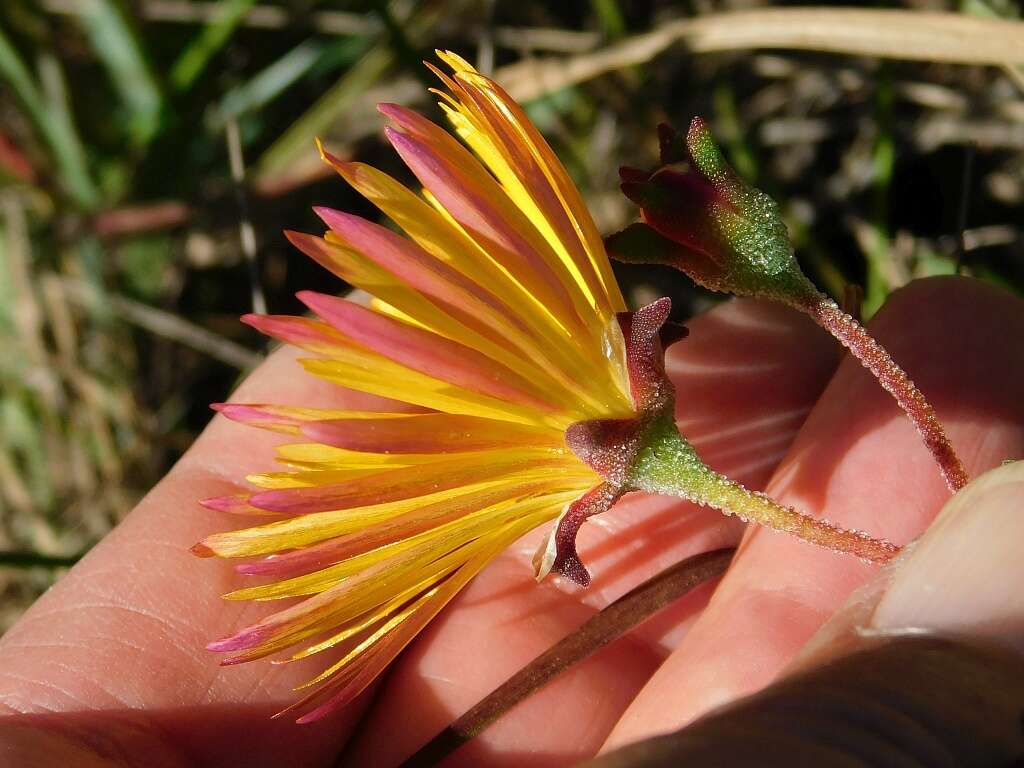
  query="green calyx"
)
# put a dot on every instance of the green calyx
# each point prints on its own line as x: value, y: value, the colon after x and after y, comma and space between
x: 666, y: 462
x: 748, y: 222
x: 762, y: 262
x: 699, y: 216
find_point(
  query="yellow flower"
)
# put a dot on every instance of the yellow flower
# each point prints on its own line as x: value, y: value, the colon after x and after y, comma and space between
x: 495, y: 320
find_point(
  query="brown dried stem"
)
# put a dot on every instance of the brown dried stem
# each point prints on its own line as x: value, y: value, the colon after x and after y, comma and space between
x: 611, y: 623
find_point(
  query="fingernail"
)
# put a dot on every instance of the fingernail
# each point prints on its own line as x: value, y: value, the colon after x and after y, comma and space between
x: 965, y: 575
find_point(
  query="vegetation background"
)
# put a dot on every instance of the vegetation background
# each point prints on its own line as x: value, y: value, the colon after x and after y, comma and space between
x: 151, y: 152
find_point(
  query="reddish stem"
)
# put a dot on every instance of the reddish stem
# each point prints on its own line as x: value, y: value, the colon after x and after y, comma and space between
x: 894, y: 379
x: 612, y: 622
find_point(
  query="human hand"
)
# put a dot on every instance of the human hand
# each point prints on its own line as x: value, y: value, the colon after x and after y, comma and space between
x: 109, y: 668
x: 922, y: 666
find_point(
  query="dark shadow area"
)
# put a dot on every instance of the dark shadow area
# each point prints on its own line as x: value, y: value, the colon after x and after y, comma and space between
x: 214, y: 736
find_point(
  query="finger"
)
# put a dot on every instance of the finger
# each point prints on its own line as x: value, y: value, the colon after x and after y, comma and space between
x: 746, y: 377
x: 916, y: 701
x: 857, y: 462
x: 961, y: 578
x: 964, y: 577
x: 908, y: 672
x: 117, y: 647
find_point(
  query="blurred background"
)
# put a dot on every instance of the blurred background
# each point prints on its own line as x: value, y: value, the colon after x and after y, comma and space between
x: 151, y: 152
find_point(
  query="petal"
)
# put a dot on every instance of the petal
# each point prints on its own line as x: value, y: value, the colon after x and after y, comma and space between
x: 307, y: 478
x: 311, y: 335
x: 436, y: 280
x: 409, y: 556
x: 529, y: 262
x: 235, y: 504
x: 288, y: 419
x: 344, y: 592
x: 362, y: 539
x: 518, y: 155
x: 388, y: 266
x: 344, y: 690
x: 410, y: 286
x: 424, y: 351
x: 429, y: 433
x: 367, y: 371
x: 442, y: 237
x: 406, y: 482
x: 356, y: 367
x: 315, y: 528
x: 528, y: 326
x: 477, y: 202
x: 319, y: 456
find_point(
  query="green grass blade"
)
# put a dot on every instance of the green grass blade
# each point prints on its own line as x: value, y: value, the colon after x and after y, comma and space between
x: 268, y: 84
x: 332, y: 106
x: 51, y: 116
x: 610, y: 17
x: 37, y: 560
x: 193, y: 60
x: 298, y: 139
x: 118, y: 49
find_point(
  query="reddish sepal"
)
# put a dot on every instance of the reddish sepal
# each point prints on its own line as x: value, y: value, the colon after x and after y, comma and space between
x: 645, y: 355
x: 607, y: 446
x: 595, y: 501
x: 610, y: 446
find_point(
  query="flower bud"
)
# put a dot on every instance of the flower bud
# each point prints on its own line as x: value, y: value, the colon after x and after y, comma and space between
x: 699, y: 216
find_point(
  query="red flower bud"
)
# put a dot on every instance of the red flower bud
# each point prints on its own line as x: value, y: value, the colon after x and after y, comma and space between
x: 699, y: 216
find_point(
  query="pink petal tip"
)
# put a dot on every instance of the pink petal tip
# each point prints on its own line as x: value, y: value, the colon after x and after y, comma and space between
x: 201, y: 550
x: 226, y: 503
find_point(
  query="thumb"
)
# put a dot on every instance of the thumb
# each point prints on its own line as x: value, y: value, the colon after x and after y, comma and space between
x: 962, y: 578
x: 922, y: 667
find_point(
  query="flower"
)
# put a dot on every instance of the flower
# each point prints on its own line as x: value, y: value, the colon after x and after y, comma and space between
x: 530, y: 394
x: 496, y: 321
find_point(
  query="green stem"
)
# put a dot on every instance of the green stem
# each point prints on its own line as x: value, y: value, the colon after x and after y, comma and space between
x: 214, y: 36
x: 669, y: 465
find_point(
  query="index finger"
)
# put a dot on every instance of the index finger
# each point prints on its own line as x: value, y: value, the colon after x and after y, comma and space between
x: 117, y: 646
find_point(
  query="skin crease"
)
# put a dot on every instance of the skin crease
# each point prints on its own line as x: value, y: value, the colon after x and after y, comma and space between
x: 108, y: 668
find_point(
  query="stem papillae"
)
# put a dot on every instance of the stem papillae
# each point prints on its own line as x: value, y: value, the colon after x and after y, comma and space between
x: 669, y: 465
x: 862, y: 345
